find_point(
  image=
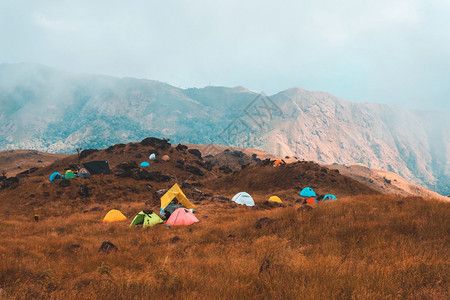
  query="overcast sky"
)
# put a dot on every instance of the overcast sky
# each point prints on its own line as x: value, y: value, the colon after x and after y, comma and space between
x: 389, y: 51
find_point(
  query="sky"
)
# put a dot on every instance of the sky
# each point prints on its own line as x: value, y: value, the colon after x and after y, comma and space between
x: 385, y: 51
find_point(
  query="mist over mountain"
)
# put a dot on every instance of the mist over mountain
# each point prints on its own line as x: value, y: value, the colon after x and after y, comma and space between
x: 50, y: 110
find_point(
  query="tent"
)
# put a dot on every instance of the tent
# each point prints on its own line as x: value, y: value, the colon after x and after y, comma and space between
x: 69, y: 174
x: 165, y: 158
x: 146, y: 218
x: 243, y: 198
x: 152, y: 156
x: 329, y: 197
x: 114, y: 215
x: 145, y: 164
x: 307, y: 192
x: 311, y: 200
x: 97, y: 167
x: 182, y: 216
x: 55, y: 176
x: 278, y: 162
x: 275, y: 199
x: 175, y: 192
x: 169, y: 209
x: 83, y: 173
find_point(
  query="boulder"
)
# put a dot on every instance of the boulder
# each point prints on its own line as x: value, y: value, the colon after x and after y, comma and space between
x: 64, y: 183
x: 107, y: 247
x: 194, y: 170
x: 155, y: 142
x: 180, y: 147
x: 84, y: 190
x: 195, y: 152
x: 87, y: 152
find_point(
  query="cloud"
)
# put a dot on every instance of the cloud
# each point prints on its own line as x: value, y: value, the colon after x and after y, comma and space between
x: 378, y: 51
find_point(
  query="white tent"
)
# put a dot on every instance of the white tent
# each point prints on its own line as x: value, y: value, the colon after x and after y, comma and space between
x: 243, y: 198
x: 152, y: 156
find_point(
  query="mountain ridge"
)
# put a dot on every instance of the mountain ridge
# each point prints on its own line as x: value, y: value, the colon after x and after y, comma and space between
x: 58, y: 111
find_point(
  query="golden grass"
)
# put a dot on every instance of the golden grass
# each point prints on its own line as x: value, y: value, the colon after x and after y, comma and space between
x: 365, y: 247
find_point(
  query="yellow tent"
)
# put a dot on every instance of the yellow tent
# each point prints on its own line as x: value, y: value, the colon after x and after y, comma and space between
x: 176, y: 192
x: 114, y: 215
x: 275, y: 199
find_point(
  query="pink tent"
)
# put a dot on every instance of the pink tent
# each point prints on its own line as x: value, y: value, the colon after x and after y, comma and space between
x: 182, y: 216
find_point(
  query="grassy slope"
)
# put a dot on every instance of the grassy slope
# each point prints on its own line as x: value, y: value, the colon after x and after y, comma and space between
x: 361, y: 247
x: 364, y: 246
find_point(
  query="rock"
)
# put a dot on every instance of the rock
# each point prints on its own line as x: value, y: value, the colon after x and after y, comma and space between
x: 195, y: 152
x: 87, y: 152
x: 97, y: 208
x: 225, y: 169
x: 238, y: 153
x: 84, y: 190
x: 180, y: 147
x: 155, y: 142
x: 264, y: 266
x: 220, y: 198
x: 263, y: 222
x: 175, y: 239
x: 107, y: 247
x: 9, y: 182
x: 159, y: 193
x: 194, y: 170
x: 64, y: 183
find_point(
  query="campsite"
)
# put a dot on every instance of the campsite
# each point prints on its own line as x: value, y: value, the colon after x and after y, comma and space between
x: 188, y: 226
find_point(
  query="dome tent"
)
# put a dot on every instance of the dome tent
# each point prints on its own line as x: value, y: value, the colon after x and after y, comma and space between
x: 152, y: 156
x: 144, y: 164
x: 84, y: 173
x: 55, y: 176
x: 307, y: 192
x: 182, y: 216
x: 275, y: 199
x: 114, y: 215
x: 146, y: 218
x: 243, y: 198
x: 329, y: 197
x: 69, y: 174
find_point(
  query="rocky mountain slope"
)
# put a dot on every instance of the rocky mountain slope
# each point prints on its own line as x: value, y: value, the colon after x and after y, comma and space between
x: 56, y: 111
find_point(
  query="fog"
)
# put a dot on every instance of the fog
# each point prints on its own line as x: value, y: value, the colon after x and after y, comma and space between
x: 364, y: 51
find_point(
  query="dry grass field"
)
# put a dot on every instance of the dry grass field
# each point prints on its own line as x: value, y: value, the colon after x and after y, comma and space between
x: 363, y: 246
x: 366, y: 247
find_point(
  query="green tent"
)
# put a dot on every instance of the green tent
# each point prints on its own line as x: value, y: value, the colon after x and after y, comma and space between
x: 69, y: 174
x: 146, y: 218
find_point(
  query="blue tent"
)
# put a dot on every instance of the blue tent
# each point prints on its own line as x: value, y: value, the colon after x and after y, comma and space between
x: 145, y: 164
x: 329, y: 197
x: 55, y: 176
x: 307, y: 192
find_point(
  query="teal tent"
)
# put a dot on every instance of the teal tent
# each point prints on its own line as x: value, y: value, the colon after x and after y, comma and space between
x: 55, y: 176
x: 307, y: 192
x: 329, y: 197
x: 145, y: 164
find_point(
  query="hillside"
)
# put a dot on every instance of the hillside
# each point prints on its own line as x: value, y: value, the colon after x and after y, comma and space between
x: 13, y: 162
x: 57, y: 111
x: 364, y: 245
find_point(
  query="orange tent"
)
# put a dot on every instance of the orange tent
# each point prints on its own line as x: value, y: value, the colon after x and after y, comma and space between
x: 278, y: 162
x: 311, y: 200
